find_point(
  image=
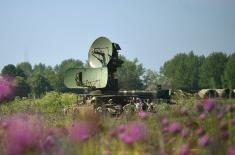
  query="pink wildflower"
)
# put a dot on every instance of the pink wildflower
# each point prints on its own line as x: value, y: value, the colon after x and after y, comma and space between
x: 209, y: 105
x: 23, y: 133
x: 143, y: 114
x: 200, y: 131
x: 184, y: 149
x: 231, y: 151
x: 204, y: 140
x: 165, y: 121
x: 175, y: 127
x: 6, y: 88
x: 202, y: 116
x: 185, y: 132
x: 82, y: 131
x: 135, y: 132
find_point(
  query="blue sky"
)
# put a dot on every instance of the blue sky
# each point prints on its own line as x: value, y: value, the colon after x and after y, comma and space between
x: 49, y: 31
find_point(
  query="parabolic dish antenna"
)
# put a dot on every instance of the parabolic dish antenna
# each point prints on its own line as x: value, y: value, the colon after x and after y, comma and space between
x: 100, y: 52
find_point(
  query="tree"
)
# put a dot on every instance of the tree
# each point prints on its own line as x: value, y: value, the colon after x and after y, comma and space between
x: 61, y: 69
x: 229, y: 72
x: 39, y: 85
x: 9, y: 70
x: 212, y: 70
x: 52, y: 78
x: 182, y: 71
x: 151, y: 79
x: 22, y: 87
x: 25, y: 67
x: 129, y: 74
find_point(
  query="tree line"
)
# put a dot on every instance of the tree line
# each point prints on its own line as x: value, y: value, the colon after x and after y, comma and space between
x: 193, y: 72
x: 184, y: 71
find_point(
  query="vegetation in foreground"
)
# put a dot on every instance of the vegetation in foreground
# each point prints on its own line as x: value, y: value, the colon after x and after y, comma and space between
x: 189, y: 127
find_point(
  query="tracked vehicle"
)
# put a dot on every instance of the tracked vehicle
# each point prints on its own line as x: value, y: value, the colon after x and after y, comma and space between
x: 100, y: 87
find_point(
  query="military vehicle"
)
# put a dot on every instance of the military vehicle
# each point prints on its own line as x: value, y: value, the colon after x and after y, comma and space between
x: 100, y: 87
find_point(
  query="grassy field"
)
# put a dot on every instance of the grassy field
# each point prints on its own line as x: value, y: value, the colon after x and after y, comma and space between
x: 189, y: 127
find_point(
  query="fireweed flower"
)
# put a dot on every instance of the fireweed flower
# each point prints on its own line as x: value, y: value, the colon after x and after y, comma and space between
x: 135, y: 132
x: 233, y: 121
x: 6, y: 88
x: 122, y: 128
x: 231, y: 151
x: 202, y: 116
x: 48, y: 142
x: 22, y: 134
x: 185, y: 133
x: 200, y: 131
x: 184, y: 150
x: 165, y: 121
x: 175, y: 127
x: 204, y: 140
x: 209, y: 105
x: 112, y: 133
x: 82, y: 131
x: 225, y: 135
x: 143, y: 114
x: 165, y: 129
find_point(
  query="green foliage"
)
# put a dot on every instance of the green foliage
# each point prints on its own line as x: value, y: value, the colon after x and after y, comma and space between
x: 229, y: 73
x: 39, y: 85
x: 183, y: 71
x: 55, y: 102
x: 151, y: 80
x: 9, y: 70
x: 22, y: 87
x: 129, y: 74
x: 212, y: 70
x: 52, y: 102
x: 25, y: 67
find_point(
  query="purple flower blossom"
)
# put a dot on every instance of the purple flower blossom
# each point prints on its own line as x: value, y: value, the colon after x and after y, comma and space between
x: 165, y: 121
x: 112, y: 133
x: 49, y: 142
x: 122, y: 128
x: 185, y: 133
x: 135, y: 132
x: 204, y: 140
x: 107, y: 153
x: 209, y: 105
x: 231, y: 151
x: 82, y: 131
x: 23, y: 133
x: 175, y: 127
x: 143, y: 114
x: 50, y: 131
x: 227, y: 107
x: 233, y: 121
x: 184, y: 149
x: 202, y: 116
x: 165, y: 129
x: 200, y: 131
x: 225, y: 135
x: 6, y: 88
